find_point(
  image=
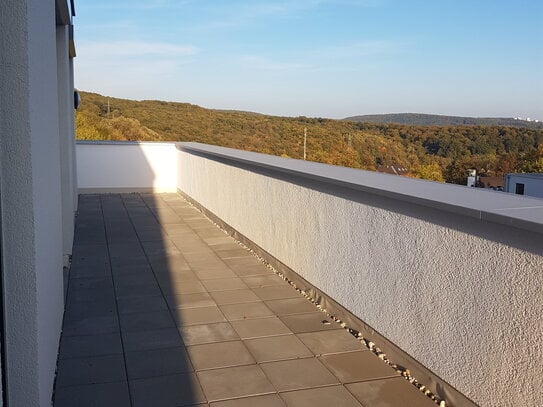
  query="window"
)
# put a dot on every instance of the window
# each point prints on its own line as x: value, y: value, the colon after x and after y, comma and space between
x: 519, y: 188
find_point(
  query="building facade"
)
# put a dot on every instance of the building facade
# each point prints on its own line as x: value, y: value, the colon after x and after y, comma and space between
x: 525, y: 184
x: 38, y: 195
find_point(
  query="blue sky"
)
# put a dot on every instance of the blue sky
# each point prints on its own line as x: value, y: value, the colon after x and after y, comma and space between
x: 325, y: 58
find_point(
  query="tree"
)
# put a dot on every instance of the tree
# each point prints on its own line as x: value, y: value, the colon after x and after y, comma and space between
x: 430, y: 172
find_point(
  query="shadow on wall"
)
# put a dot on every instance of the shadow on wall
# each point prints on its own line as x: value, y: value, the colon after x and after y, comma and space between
x: 120, y: 342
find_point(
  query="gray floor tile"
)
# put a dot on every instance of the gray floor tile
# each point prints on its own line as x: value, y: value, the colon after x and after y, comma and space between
x: 315, y: 321
x: 211, y: 274
x: 173, y: 264
x: 208, y: 333
x: 137, y: 289
x: 182, y: 287
x: 96, y: 395
x: 219, y: 240
x: 244, y: 261
x: 157, y: 362
x: 141, y: 304
x: 128, y: 280
x: 224, y: 284
x: 90, y: 270
x: 323, y: 342
x: 246, y: 270
x: 177, y: 229
x: 265, y: 280
x: 76, y: 311
x: 298, y: 374
x: 291, y: 306
x: 139, y: 270
x: 90, y: 345
x: 231, y: 382
x: 231, y: 244
x: 220, y: 354
x: 146, y: 340
x: 389, y: 393
x: 174, y: 277
x: 97, y: 283
x: 231, y: 253
x: 146, y: 321
x: 195, y: 300
x: 275, y: 348
x: 92, y: 370
x: 255, y: 328
x: 268, y: 400
x: 196, y: 316
x: 321, y: 397
x: 357, y: 366
x: 91, y: 325
x: 234, y: 296
x: 276, y: 292
x: 89, y: 295
x: 245, y: 311
x: 167, y: 391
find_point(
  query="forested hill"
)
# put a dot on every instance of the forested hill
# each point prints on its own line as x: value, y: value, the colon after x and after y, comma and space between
x: 431, y: 152
x: 419, y: 119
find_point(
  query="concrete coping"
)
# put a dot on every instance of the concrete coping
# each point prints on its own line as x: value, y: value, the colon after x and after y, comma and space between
x: 123, y: 143
x: 498, y: 207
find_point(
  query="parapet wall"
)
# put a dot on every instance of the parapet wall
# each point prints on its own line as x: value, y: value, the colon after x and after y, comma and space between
x: 450, y: 275
x: 109, y: 166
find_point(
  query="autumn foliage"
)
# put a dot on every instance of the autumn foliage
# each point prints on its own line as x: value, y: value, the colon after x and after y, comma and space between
x: 439, y: 153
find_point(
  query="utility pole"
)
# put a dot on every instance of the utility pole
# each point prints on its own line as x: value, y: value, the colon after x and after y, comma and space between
x: 350, y: 142
x: 305, y: 141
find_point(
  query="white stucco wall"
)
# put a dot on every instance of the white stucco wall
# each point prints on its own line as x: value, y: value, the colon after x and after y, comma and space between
x: 460, y: 294
x: 126, y: 166
x: 30, y: 176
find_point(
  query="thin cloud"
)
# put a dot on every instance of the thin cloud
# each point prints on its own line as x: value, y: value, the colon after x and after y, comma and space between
x: 240, y: 14
x: 134, y: 49
x: 361, y: 48
x: 139, y: 5
x: 262, y: 63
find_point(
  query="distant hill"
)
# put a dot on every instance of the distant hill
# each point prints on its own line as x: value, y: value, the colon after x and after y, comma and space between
x: 420, y: 119
x: 431, y: 152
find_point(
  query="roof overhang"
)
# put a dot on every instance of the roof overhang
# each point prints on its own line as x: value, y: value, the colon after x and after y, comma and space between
x: 62, y: 12
x: 71, y: 42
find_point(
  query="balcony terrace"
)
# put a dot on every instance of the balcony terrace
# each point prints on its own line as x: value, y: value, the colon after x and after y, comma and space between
x: 169, y: 302
x: 165, y: 309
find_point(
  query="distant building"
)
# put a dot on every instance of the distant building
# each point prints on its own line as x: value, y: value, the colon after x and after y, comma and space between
x: 472, y: 178
x: 392, y: 169
x: 495, y: 183
x: 525, y: 184
x: 484, y: 181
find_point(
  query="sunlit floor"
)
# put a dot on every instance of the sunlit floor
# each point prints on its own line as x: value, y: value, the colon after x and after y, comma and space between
x: 165, y: 309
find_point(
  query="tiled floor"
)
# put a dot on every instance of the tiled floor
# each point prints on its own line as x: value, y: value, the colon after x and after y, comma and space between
x: 164, y: 309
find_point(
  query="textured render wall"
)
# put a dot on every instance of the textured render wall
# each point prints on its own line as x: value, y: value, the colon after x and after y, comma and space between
x: 17, y: 211
x: 30, y: 191
x: 126, y: 166
x: 45, y: 150
x: 460, y: 295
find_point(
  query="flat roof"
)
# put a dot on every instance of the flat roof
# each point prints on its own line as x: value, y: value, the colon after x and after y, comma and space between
x: 536, y: 175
